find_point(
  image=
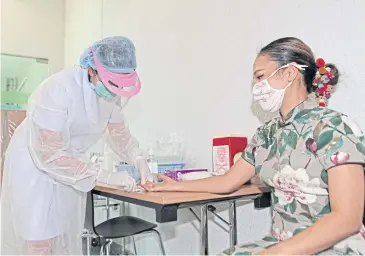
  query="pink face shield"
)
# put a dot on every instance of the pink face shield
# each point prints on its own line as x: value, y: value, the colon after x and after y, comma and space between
x: 124, y: 85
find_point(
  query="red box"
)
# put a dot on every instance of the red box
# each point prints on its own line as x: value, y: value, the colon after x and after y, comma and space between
x: 227, y: 150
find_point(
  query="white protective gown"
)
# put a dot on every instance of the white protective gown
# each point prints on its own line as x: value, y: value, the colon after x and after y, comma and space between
x: 46, y: 173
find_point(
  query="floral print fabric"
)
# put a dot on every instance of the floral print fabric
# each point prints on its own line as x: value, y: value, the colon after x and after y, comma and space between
x: 293, y: 158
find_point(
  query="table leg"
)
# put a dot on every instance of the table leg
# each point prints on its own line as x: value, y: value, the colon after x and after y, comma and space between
x: 107, y: 205
x: 233, y: 224
x: 204, y: 230
x: 122, y: 212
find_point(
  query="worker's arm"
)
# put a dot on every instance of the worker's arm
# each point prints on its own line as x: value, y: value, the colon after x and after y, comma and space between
x: 48, y: 138
x: 49, y: 143
x: 119, y: 138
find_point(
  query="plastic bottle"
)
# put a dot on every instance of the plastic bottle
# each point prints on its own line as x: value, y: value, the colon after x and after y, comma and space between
x: 152, y: 163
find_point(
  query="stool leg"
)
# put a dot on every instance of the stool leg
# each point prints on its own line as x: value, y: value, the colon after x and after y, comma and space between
x: 108, y: 247
x: 105, y: 248
x: 102, y: 249
x: 160, y: 241
x: 134, y: 246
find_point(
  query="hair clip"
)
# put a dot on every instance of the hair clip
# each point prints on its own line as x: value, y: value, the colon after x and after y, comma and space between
x: 321, y: 82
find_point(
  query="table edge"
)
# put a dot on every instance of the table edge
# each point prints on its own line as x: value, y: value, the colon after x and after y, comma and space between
x: 155, y: 197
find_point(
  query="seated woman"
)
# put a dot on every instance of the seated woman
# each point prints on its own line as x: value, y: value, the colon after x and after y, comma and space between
x: 311, y: 156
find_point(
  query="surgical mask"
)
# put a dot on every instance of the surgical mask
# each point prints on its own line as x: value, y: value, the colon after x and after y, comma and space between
x: 102, y: 91
x: 269, y: 98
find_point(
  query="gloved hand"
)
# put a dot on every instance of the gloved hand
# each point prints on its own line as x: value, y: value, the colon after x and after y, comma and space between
x: 121, y: 180
x: 144, y: 170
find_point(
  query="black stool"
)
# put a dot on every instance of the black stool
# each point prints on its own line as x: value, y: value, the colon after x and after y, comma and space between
x: 122, y: 227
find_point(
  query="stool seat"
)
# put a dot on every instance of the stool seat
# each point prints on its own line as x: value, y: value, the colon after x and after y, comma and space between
x: 123, y: 226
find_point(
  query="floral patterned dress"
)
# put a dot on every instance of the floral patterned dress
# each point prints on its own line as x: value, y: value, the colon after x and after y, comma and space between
x: 293, y: 158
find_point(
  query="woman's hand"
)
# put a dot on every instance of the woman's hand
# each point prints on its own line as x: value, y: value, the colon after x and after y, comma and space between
x: 167, y: 184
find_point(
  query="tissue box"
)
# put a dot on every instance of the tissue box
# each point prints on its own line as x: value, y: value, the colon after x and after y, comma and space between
x: 162, y: 168
x: 175, y: 175
x: 227, y: 150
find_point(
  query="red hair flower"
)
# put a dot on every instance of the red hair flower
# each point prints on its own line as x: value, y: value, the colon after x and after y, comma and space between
x: 329, y: 75
x: 320, y: 63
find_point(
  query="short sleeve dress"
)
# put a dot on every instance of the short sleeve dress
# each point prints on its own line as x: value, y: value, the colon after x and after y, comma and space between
x: 293, y: 158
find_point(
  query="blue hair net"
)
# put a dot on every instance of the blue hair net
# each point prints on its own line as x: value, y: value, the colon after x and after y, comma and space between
x: 116, y: 54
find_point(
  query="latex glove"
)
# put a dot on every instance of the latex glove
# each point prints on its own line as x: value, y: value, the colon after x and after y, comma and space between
x: 144, y: 170
x: 122, y: 180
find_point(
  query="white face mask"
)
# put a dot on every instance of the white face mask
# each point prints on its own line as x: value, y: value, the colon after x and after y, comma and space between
x: 269, y: 98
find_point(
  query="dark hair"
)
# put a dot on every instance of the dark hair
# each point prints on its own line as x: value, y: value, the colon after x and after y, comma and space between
x: 88, y: 75
x: 290, y: 49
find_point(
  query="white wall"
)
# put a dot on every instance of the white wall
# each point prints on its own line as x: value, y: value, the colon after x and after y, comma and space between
x: 83, y: 26
x: 195, y: 59
x: 195, y: 62
x: 34, y: 28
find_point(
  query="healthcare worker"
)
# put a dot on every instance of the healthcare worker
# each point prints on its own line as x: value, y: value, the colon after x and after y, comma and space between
x: 46, y: 172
